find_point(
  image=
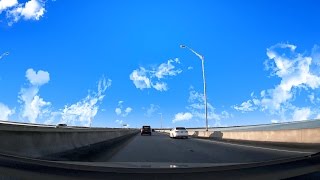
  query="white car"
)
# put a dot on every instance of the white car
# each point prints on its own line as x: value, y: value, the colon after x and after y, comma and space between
x: 179, y: 132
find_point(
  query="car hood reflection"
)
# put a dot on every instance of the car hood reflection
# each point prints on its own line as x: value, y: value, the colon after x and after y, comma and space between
x: 165, y: 165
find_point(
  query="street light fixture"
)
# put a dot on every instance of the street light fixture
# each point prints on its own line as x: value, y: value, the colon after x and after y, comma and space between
x: 204, y: 82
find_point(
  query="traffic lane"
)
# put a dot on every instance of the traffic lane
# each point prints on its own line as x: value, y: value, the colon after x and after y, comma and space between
x: 161, y: 148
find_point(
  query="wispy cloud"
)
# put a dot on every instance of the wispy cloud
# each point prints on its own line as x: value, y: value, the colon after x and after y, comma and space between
x: 84, y: 111
x: 297, y: 72
x: 120, y: 122
x: 121, y: 111
x: 247, y: 106
x: 196, y: 107
x: 151, y: 110
x: 15, y: 11
x: 144, y: 78
x: 196, y: 110
x: 167, y: 69
x: 160, y: 86
x: 4, y: 54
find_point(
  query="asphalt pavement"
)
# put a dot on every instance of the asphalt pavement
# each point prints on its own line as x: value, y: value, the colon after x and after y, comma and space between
x: 161, y: 148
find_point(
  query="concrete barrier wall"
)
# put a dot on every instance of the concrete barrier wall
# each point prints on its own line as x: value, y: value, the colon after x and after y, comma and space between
x: 287, y: 136
x: 303, y: 135
x: 37, y: 141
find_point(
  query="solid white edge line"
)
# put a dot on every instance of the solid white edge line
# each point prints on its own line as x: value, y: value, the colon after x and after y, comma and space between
x: 256, y: 147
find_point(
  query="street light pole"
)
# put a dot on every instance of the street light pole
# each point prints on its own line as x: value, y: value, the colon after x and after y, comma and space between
x: 204, y: 82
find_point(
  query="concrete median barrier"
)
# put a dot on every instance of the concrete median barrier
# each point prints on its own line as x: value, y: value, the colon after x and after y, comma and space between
x: 42, y: 141
x: 310, y: 136
x: 299, y: 132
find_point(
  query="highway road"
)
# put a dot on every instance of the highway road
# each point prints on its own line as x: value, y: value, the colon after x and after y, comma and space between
x: 161, y: 148
x: 160, y: 157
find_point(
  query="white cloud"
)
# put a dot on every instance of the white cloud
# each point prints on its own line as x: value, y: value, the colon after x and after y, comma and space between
x: 122, y: 112
x: 4, y: 54
x: 245, y: 106
x: 296, y: 72
x: 85, y: 110
x: 5, y: 112
x: 190, y: 68
x: 30, y: 10
x: 249, y: 105
x: 33, y: 106
x: 33, y: 9
x: 151, y: 110
x: 140, y: 79
x: 182, y: 117
x: 5, y: 4
x: 167, y: 69
x: 150, y: 78
x: 128, y: 110
x: 118, y: 111
x: 37, y: 78
x: 274, y: 121
x: 161, y: 86
x: 311, y: 98
x: 120, y: 122
x: 301, y: 114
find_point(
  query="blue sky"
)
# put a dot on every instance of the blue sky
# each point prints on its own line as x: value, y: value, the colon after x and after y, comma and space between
x: 118, y: 62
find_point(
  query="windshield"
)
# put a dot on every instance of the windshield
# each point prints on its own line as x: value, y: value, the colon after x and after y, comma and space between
x: 180, y: 85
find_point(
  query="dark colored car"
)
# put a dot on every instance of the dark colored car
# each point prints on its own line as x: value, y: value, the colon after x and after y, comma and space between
x: 61, y: 125
x: 146, y: 130
x: 153, y: 130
